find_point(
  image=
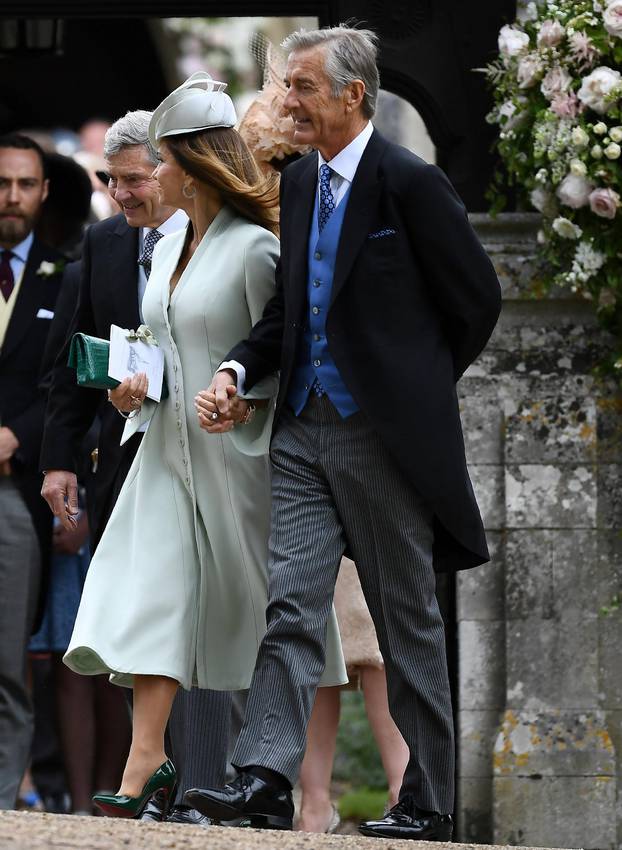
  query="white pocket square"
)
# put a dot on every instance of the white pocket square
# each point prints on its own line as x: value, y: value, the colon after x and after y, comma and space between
x: 45, y: 314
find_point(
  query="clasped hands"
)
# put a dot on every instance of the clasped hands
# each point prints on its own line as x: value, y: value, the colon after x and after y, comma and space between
x: 219, y: 407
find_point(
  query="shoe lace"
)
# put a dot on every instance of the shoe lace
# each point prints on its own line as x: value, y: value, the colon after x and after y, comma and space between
x: 404, y: 808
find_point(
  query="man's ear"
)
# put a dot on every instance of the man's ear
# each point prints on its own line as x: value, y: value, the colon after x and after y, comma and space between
x: 355, y: 92
x: 45, y: 190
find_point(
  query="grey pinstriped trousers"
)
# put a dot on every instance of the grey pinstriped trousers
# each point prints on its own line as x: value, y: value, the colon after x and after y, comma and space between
x: 334, y: 481
x: 20, y: 574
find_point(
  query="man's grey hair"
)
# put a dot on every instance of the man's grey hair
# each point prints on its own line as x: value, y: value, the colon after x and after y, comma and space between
x: 350, y: 55
x: 132, y: 129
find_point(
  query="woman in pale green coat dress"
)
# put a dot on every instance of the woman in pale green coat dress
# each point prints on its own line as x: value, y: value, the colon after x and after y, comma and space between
x: 177, y: 590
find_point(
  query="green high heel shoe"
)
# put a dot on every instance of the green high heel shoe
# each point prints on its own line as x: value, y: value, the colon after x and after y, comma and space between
x: 164, y: 779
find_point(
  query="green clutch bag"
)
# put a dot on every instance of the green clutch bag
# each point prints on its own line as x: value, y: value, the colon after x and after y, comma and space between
x: 88, y: 355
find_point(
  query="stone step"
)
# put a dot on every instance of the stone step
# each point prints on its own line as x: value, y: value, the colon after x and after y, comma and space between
x: 34, y: 831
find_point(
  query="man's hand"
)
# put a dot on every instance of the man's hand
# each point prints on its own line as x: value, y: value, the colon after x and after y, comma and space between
x: 8, y: 444
x: 221, y: 386
x: 60, y: 491
x: 130, y: 393
x: 70, y: 541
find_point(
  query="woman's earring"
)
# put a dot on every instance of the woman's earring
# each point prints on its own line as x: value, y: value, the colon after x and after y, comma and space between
x: 187, y: 194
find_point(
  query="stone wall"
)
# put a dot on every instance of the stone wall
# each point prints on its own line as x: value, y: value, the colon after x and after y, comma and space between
x: 540, y: 667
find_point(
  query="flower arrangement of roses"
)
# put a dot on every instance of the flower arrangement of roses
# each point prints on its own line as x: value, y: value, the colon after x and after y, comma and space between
x: 558, y: 104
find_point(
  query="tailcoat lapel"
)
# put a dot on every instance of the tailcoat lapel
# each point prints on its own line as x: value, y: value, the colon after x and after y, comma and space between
x: 30, y: 298
x: 360, y: 212
x: 122, y: 271
x: 300, y: 226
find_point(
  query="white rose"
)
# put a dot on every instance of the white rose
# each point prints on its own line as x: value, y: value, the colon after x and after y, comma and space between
x: 512, y: 41
x: 556, y: 82
x: 527, y: 13
x: 579, y: 137
x: 596, y: 86
x: 551, y: 33
x: 529, y: 70
x: 543, y: 201
x: 597, y: 152
x: 578, y: 167
x: 46, y: 268
x: 600, y: 129
x: 616, y: 134
x: 612, y: 18
x: 574, y: 191
x: 566, y: 229
x: 613, y: 151
x: 541, y: 237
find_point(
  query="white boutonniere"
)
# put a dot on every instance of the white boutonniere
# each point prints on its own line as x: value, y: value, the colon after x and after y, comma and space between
x: 47, y: 268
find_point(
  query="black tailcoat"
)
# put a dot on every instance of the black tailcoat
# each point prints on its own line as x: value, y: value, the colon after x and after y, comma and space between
x: 410, y: 310
x: 22, y: 401
x: 108, y: 295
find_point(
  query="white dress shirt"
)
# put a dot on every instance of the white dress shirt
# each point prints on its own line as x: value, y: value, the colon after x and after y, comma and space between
x: 343, y: 167
x: 175, y: 222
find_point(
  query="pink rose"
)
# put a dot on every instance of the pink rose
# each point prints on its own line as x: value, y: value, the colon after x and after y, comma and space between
x: 604, y: 202
x: 556, y: 82
x: 551, y: 33
x: 566, y: 105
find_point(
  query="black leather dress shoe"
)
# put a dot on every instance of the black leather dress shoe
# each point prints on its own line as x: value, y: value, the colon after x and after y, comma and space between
x: 247, y: 797
x: 156, y: 808
x: 186, y: 815
x: 405, y: 820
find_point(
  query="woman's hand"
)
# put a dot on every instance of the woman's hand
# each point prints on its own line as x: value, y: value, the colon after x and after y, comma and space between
x: 214, y: 422
x: 130, y: 393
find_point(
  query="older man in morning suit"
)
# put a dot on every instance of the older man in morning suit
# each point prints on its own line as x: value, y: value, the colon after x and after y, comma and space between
x: 384, y: 297
x: 116, y: 263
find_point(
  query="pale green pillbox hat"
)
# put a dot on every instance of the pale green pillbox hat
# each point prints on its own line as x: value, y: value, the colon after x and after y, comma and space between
x: 197, y: 104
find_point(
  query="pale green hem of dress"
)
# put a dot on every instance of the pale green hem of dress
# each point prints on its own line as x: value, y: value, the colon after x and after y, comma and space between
x: 87, y: 662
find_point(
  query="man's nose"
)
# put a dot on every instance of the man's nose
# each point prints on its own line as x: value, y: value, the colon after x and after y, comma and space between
x: 13, y: 193
x: 289, y: 101
x: 120, y: 194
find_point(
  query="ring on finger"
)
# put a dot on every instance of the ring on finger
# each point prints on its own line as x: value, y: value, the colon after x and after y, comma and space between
x: 135, y: 401
x: 214, y: 415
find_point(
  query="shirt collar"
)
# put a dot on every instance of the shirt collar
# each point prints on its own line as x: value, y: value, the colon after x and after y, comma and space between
x: 173, y: 223
x: 22, y: 250
x: 346, y: 161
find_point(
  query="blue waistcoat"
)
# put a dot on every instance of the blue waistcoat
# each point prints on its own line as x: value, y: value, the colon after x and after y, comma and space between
x: 314, y: 357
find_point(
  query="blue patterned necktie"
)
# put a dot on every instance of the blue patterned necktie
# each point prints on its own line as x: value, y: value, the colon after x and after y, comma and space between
x: 327, y: 202
x: 151, y: 240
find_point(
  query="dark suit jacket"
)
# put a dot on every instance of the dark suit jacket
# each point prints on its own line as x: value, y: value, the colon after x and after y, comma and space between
x: 409, y: 312
x: 22, y: 402
x: 108, y: 295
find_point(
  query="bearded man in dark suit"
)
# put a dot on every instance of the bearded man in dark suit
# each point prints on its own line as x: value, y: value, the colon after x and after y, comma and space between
x: 30, y: 278
x: 115, y: 266
x: 384, y: 297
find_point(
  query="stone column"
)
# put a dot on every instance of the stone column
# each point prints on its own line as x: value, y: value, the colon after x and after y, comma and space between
x: 540, y: 713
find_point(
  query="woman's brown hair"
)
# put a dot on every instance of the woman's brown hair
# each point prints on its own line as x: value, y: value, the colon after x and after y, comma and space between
x: 220, y: 158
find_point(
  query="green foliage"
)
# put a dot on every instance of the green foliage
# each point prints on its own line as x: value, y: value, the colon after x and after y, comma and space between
x: 357, y: 761
x: 613, y: 606
x: 558, y: 105
x: 362, y: 804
